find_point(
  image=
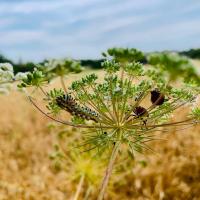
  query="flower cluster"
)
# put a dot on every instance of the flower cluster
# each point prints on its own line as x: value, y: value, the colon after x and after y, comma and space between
x: 128, y: 105
x: 60, y: 68
x: 6, y: 76
x: 173, y: 65
x: 125, y: 55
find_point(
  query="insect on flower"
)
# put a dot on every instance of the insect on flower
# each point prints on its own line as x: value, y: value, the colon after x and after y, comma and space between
x: 157, y: 98
x: 140, y: 111
x: 68, y: 103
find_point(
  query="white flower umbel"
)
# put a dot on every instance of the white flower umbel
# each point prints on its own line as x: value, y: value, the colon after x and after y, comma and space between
x: 21, y: 75
x: 6, y: 67
x: 6, y: 76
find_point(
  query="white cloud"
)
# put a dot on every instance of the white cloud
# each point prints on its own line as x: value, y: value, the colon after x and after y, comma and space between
x: 106, y: 9
x: 176, y: 35
x: 27, y: 7
x: 20, y: 37
x: 4, y: 22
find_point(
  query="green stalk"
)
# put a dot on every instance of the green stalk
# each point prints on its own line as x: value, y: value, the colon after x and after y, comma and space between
x: 42, y: 90
x: 125, y: 99
x: 108, y: 171
x: 92, y: 103
x: 113, y: 103
x: 102, y: 102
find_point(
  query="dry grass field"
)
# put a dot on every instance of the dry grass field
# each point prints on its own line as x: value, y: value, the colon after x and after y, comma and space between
x: 26, y: 173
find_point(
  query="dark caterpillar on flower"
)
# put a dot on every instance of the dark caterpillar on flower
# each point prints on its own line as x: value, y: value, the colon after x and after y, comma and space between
x: 68, y: 103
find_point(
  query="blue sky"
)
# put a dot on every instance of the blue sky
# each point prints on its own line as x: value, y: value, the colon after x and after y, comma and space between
x: 38, y: 29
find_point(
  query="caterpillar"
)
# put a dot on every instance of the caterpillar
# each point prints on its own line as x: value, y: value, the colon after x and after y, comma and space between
x: 68, y: 103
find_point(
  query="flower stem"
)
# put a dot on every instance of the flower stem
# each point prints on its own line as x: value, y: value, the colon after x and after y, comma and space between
x: 88, y: 193
x: 63, y: 84
x: 108, y: 171
x: 42, y: 90
x: 79, y: 187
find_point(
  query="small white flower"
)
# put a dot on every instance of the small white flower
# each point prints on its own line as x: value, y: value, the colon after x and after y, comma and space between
x: 52, y: 64
x: 107, y: 98
x: 6, y: 75
x: 117, y: 89
x: 21, y: 75
x: 6, y: 67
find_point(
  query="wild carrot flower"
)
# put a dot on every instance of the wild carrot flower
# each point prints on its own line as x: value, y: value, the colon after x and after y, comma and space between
x: 116, y: 111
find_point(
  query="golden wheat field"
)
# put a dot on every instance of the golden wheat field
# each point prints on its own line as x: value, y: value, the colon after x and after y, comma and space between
x: 172, y: 172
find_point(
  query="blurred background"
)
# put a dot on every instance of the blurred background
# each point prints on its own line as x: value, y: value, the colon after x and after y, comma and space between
x: 36, y: 30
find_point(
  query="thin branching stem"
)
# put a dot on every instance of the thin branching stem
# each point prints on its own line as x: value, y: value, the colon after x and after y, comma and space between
x: 113, y: 102
x: 102, y: 102
x: 179, y: 123
x: 92, y: 104
x: 43, y: 92
x: 125, y: 98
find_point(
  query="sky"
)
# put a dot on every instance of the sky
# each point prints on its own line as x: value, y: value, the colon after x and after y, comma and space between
x: 33, y: 30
